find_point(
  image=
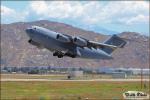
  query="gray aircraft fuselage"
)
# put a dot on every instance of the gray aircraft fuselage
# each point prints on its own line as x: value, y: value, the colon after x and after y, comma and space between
x: 45, y: 38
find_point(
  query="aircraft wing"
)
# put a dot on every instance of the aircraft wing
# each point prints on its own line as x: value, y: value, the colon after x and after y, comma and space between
x: 99, y: 45
x: 112, y: 43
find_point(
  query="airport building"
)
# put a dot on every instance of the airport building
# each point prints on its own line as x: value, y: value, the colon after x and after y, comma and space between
x: 137, y: 71
x: 119, y: 75
x: 76, y: 73
x: 128, y: 71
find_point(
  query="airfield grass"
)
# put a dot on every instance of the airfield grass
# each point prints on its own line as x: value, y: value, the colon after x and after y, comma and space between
x: 64, y: 90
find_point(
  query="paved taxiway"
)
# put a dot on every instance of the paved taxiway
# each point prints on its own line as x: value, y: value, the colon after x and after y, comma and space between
x: 103, y: 80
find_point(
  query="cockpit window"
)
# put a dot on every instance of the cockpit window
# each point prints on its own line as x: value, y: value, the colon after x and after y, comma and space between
x: 33, y: 27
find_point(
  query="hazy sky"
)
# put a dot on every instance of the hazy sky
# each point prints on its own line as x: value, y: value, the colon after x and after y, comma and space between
x: 112, y: 15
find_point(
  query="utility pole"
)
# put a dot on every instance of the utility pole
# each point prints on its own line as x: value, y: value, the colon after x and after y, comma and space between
x: 141, y: 78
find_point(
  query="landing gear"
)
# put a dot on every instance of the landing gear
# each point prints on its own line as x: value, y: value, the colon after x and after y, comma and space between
x: 35, y: 44
x: 30, y: 41
x: 73, y: 56
x: 58, y: 54
x: 55, y: 53
x: 70, y: 55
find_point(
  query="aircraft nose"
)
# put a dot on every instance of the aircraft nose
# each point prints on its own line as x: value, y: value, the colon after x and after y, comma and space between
x: 28, y: 30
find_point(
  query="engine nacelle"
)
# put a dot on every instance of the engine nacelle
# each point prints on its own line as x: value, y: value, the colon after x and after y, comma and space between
x: 62, y: 38
x: 80, y: 42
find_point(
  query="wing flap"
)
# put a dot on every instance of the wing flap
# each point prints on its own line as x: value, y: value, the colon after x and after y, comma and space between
x: 99, y: 45
x: 93, y: 44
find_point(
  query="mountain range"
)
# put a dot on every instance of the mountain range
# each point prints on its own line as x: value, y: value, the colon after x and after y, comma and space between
x: 17, y: 52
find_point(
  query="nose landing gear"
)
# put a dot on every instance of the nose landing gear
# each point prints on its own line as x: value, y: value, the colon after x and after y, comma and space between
x: 30, y: 41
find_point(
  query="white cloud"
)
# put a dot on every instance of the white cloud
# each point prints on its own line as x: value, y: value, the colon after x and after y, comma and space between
x: 40, y: 7
x: 138, y: 18
x: 124, y: 12
x: 10, y: 15
x: 86, y: 13
x: 135, y: 20
x: 6, y: 11
x: 56, y: 9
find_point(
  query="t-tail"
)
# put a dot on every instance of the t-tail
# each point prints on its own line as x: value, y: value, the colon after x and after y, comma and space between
x: 116, y: 41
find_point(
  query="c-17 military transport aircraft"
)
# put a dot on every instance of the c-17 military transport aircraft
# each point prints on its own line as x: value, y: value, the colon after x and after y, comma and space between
x: 75, y: 47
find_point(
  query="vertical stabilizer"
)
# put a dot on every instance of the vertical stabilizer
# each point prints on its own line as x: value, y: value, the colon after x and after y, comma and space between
x: 114, y: 40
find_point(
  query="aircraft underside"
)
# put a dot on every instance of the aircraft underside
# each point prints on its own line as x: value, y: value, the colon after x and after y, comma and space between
x: 59, y: 54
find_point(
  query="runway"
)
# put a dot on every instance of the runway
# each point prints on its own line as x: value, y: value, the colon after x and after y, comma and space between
x: 102, y: 80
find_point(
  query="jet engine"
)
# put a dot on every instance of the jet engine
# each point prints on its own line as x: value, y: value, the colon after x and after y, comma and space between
x: 63, y: 38
x: 80, y: 42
